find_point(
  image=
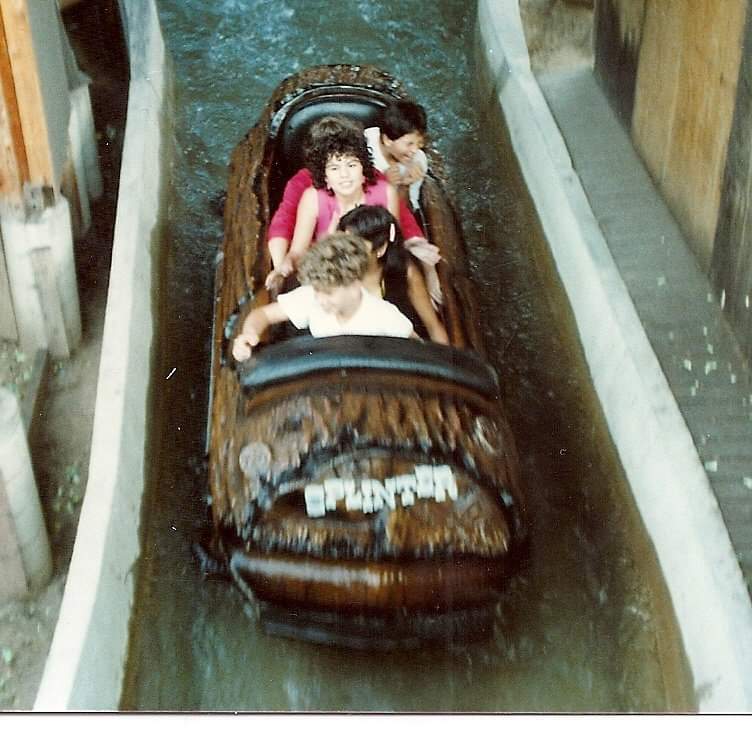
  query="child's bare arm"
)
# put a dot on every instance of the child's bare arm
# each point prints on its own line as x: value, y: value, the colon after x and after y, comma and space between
x: 254, y: 327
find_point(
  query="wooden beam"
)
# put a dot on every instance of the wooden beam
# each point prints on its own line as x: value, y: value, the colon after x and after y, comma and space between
x: 14, y: 168
x: 28, y: 91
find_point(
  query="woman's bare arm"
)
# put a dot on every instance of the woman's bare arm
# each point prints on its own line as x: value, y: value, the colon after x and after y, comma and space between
x: 305, y: 227
x: 392, y: 201
x: 421, y: 301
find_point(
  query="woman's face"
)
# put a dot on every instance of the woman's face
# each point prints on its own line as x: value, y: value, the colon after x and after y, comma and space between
x: 344, y: 174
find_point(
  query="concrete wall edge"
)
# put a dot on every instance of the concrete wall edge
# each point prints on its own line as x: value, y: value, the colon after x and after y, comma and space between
x: 86, y: 665
x: 710, y: 598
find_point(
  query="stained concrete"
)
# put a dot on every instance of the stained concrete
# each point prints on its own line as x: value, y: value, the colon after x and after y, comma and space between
x: 683, y: 320
x: 85, y: 667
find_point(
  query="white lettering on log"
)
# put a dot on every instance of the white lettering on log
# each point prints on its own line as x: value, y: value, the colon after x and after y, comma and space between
x: 371, y: 495
x: 314, y: 501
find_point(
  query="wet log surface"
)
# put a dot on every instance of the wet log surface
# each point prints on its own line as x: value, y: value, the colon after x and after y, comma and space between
x: 375, y: 428
x: 267, y: 447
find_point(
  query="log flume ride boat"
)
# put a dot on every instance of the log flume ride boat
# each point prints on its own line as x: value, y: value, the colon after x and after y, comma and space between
x: 365, y: 491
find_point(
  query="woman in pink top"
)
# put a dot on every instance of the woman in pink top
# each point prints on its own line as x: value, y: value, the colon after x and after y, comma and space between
x: 343, y: 177
x: 282, y: 224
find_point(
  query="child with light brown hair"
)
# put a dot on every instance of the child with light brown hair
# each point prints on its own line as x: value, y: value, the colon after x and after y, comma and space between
x: 331, y: 301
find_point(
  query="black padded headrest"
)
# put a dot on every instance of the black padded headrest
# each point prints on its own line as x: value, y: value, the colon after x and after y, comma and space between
x: 364, y: 106
x: 302, y: 356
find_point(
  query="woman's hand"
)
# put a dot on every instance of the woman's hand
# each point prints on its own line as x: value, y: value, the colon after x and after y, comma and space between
x: 277, y: 276
x: 274, y: 280
x: 425, y: 252
x: 433, y: 285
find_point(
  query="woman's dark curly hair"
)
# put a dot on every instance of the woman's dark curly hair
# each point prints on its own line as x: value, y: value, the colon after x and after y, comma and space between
x: 347, y: 141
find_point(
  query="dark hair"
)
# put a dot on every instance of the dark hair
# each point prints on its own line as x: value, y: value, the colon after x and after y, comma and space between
x: 330, y: 126
x: 377, y: 225
x: 401, y: 118
x: 349, y: 140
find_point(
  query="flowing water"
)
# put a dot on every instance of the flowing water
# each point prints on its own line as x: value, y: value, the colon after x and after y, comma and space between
x: 586, y: 626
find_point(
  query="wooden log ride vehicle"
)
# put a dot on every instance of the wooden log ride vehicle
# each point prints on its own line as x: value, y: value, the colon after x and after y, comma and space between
x: 365, y: 491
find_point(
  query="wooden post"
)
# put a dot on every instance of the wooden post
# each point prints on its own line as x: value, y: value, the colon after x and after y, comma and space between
x: 732, y: 253
x: 685, y: 95
x: 14, y: 169
x: 30, y: 108
x: 35, y: 152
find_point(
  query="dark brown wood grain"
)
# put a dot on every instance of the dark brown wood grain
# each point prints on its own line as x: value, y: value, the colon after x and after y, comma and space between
x: 265, y: 447
x: 380, y: 586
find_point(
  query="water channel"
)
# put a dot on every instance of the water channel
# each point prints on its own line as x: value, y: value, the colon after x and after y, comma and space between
x: 587, y: 626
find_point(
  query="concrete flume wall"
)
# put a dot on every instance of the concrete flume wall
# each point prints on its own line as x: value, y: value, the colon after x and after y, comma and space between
x: 699, y: 565
x: 85, y: 668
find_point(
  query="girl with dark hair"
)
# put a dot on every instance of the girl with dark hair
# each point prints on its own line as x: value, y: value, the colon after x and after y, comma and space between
x: 392, y: 272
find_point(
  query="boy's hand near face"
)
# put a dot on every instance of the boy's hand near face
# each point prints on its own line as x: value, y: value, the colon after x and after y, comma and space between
x: 394, y: 174
x: 412, y: 173
x: 404, y: 173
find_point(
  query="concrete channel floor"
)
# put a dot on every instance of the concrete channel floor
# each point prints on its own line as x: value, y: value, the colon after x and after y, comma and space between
x: 683, y: 320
